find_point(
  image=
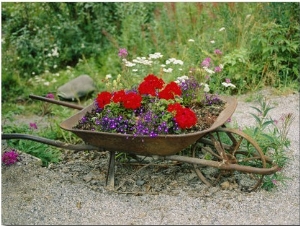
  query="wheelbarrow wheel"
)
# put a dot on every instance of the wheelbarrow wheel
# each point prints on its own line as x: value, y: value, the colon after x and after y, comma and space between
x: 229, y: 146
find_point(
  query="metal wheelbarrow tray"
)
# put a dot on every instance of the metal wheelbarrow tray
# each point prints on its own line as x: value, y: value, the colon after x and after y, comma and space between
x: 225, y: 149
x: 161, y: 145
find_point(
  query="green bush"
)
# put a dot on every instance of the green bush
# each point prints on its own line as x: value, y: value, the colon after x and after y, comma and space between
x: 259, y: 41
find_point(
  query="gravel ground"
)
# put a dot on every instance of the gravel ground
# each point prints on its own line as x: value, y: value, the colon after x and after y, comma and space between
x: 32, y: 194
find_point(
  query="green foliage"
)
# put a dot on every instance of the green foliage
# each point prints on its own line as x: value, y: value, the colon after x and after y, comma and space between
x: 42, y: 151
x: 271, y: 135
x: 275, y: 52
x: 49, y: 36
x: 260, y: 41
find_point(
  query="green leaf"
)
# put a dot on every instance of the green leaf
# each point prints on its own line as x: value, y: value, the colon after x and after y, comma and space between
x: 270, y: 138
x: 265, y: 124
x: 257, y: 109
x: 258, y: 120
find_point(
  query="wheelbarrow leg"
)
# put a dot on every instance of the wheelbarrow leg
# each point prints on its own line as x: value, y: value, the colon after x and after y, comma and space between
x: 110, y: 177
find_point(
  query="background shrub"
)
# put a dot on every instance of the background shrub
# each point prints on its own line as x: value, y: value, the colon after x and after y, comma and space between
x: 259, y: 41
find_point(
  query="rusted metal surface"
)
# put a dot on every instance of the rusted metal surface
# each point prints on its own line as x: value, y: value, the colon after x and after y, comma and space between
x: 223, y: 166
x: 58, y: 102
x: 162, y: 145
x: 55, y: 143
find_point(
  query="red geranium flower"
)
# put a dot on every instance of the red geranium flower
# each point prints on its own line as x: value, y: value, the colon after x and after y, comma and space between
x: 103, y: 98
x: 174, y: 108
x: 170, y: 91
x: 118, y: 96
x: 150, y: 84
x: 132, y: 101
x: 185, y: 118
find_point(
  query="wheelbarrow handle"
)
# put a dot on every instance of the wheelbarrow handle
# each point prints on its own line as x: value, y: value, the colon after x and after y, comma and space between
x: 55, y: 143
x: 50, y: 100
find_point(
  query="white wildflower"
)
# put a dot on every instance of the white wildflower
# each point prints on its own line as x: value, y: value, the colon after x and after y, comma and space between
x: 169, y: 70
x: 222, y: 29
x: 206, y: 87
x: 129, y: 64
x: 178, y: 62
x: 208, y: 70
x: 171, y: 60
x: 212, y: 41
x: 228, y: 84
x: 181, y: 79
x: 108, y: 76
x: 55, y: 52
x: 191, y: 40
x: 155, y: 56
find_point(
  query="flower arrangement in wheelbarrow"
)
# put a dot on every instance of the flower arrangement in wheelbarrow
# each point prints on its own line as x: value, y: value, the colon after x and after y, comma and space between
x: 153, y: 108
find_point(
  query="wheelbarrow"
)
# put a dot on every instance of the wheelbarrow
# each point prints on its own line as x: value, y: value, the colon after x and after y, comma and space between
x: 215, y: 152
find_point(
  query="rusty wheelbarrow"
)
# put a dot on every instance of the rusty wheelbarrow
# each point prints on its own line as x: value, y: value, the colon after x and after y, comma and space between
x: 214, y: 153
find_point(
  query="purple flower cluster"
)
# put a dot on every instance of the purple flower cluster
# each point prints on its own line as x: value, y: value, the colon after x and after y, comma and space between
x: 189, y: 87
x: 32, y: 125
x: 148, y: 124
x: 10, y: 157
x: 113, y: 124
x: 50, y: 95
x: 212, y: 99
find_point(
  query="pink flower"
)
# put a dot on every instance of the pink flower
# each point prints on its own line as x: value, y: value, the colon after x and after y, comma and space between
x: 122, y: 52
x: 50, y: 95
x: 206, y: 62
x: 218, y: 52
x: 227, y: 80
x: 33, y: 125
x: 10, y: 157
x: 218, y: 69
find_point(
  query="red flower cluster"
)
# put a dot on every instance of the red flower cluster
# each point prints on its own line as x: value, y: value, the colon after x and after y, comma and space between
x: 184, y: 117
x: 152, y: 86
x: 170, y: 91
x: 132, y: 101
x: 129, y: 100
x: 103, y: 98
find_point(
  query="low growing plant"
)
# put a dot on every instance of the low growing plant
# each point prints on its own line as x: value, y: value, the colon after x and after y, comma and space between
x: 271, y: 135
x: 42, y: 151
